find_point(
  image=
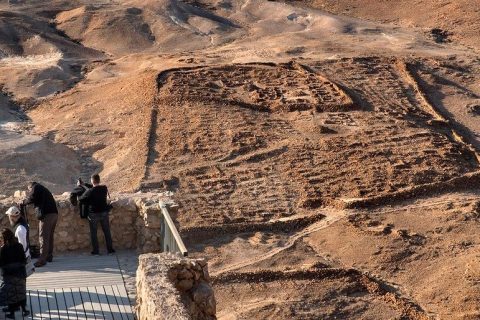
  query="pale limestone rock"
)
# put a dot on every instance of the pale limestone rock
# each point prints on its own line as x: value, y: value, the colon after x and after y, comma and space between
x: 162, y: 272
x: 19, y: 194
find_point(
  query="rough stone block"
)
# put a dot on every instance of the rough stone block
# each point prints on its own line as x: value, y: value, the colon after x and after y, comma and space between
x: 170, y: 283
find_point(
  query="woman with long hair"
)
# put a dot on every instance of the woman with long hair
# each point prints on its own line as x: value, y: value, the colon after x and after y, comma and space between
x: 13, y: 291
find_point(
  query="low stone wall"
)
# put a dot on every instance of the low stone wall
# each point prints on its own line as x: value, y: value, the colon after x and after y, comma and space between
x: 134, y: 222
x: 173, y: 287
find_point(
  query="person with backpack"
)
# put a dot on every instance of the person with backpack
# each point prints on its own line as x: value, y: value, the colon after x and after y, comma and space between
x: 13, y: 291
x: 98, y: 212
x: 47, y: 213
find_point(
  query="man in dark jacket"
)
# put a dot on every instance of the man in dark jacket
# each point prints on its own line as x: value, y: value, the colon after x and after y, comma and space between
x: 47, y: 213
x: 98, y: 209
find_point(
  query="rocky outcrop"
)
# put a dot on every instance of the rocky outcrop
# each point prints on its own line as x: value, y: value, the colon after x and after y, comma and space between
x: 173, y: 287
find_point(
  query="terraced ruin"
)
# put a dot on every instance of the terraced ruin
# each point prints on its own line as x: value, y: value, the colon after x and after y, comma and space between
x: 267, y: 87
x: 253, y: 163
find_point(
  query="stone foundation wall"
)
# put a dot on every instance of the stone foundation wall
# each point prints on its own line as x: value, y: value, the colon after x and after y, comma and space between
x: 173, y: 287
x: 134, y: 223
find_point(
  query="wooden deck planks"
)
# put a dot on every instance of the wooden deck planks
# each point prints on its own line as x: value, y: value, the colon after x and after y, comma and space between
x: 78, y: 287
x: 77, y: 271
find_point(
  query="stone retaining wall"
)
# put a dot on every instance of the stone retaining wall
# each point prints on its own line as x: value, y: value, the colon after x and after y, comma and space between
x: 134, y: 222
x: 171, y: 287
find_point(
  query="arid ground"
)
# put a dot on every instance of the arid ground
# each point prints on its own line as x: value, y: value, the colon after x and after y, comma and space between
x: 325, y: 154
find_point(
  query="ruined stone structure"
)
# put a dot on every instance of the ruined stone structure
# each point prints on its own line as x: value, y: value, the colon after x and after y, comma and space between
x: 172, y: 287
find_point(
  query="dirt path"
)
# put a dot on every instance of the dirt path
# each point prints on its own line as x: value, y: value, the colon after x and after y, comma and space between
x: 322, y: 224
x: 337, y: 215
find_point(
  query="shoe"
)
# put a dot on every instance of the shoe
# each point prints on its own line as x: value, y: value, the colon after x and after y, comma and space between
x: 25, y: 313
x: 39, y: 264
x: 111, y: 251
x: 5, y: 309
x: 50, y: 259
x: 10, y: 316
x: 95, y: 253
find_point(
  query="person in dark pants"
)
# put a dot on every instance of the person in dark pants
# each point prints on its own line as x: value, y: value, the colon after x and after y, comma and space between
x: 47, y: 213
x: 98, y: 209
x: 13, y: 291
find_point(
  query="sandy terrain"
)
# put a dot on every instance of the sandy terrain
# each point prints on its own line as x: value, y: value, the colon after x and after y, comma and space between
x: 445, y: 20
x: 27, y: 157
x: 324, y: 153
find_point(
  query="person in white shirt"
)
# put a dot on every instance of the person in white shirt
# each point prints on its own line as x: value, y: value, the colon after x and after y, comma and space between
x: 20, y: 228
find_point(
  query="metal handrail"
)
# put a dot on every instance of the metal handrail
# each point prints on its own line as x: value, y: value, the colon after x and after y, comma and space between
x: 170, y: 240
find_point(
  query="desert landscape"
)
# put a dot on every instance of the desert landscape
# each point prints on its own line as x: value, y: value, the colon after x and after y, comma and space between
x: 324, y: 154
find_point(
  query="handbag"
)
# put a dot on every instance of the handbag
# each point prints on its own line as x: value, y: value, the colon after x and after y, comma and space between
x: 29, y: 267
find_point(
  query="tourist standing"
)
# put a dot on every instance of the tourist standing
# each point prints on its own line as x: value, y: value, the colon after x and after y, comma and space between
x: 20, y: 228
x: 98, y: 212
x: 13, y: 291
x: 47, y: 213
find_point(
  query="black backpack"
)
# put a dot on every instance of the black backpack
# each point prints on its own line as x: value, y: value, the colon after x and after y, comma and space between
x: 83, y: 208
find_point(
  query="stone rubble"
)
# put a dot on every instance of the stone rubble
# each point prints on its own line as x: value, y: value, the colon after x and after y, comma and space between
x: 174, y: 287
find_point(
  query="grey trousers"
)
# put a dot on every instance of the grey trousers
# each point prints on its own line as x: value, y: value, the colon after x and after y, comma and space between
x: 46, y: 230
